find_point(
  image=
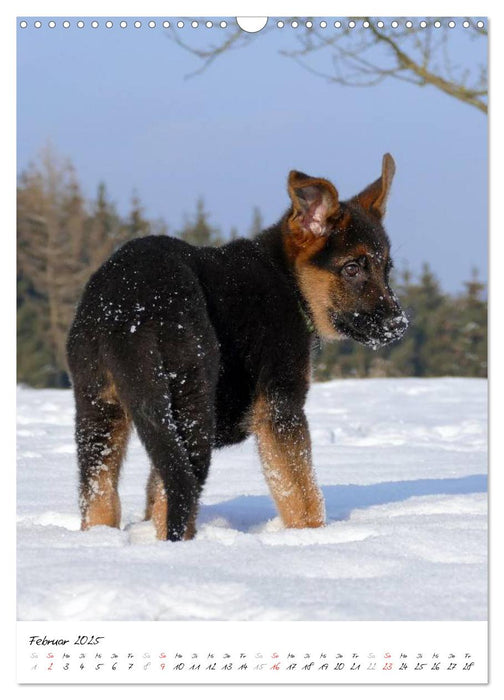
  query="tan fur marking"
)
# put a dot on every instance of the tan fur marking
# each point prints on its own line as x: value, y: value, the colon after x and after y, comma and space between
x: 157, y: 505
x: 150, y: 494
x: 157, y: 509
x: 286, y: 462
x: 320, y: 287
x: 109, y: 391
x: 104, y: 507
x: 359, y: 250
x: 191, y: 525
x: 316, y: 286
x: 374, y: 197
x: 100, y: 504
x: 298, y: 245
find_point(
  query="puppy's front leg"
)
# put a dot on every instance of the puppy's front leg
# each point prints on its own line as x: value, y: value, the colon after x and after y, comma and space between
x: 285, y: 450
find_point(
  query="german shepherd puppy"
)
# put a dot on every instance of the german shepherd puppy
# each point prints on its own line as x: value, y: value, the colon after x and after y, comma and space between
x: 199, y: 347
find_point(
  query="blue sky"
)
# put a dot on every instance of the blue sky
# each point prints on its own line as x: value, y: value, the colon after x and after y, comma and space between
x: 117, y: 102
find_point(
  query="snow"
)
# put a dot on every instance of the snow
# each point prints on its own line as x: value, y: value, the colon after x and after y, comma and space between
x: 402, y: 464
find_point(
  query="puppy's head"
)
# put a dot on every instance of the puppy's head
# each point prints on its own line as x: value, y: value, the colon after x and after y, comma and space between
x: 341, y: 257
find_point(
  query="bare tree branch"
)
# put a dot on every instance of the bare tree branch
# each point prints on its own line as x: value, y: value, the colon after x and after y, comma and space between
x: 366, y: 56
x: 233, y: 40
x: 427, y: 77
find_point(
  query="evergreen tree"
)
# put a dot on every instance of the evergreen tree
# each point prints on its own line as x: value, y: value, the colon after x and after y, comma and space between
x: 198, y: 231
x: 50, y: 226
x: 104, y: 233
x: 422, y: 303
x: 60, y: 244
x: 470, y: 349
x: 36, y: 364
x: 159, y: 227
x: 137, y: 225
x: 257, y: 223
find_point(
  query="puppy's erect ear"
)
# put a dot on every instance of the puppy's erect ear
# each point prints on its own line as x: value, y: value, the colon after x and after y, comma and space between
x: 374, y: 198
x: 314, y: 201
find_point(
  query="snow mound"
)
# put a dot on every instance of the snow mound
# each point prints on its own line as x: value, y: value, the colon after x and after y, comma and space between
x: 402, y: 463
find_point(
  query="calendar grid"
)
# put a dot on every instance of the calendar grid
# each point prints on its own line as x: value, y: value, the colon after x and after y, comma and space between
x: 302, y: 652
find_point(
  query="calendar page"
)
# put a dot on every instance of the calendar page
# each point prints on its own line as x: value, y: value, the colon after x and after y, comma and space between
x: 252, y: 348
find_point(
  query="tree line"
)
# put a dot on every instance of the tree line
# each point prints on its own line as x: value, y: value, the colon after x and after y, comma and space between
x: 63, y: 239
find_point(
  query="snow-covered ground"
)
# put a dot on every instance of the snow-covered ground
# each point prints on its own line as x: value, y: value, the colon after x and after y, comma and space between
x: 402, y: 463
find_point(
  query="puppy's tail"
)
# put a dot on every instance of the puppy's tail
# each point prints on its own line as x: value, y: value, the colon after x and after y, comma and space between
x: 146, y: 394
x: 158, y: 431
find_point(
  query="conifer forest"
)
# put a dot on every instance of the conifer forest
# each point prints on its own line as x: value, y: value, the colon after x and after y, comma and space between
x: 63, y: 238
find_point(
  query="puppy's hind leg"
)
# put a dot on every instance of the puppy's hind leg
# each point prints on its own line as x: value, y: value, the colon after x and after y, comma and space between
x: 102, y: 431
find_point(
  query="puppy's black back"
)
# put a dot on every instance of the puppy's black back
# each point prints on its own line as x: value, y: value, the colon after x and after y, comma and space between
x: 177, y: 339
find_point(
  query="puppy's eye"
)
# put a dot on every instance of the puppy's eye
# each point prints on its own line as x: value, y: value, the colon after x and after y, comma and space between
x: 351, y: 269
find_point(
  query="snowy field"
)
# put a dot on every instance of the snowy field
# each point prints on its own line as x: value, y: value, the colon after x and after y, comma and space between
x: 402, y: 463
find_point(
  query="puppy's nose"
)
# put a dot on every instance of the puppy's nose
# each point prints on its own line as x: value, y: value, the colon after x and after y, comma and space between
x: 398, y: 324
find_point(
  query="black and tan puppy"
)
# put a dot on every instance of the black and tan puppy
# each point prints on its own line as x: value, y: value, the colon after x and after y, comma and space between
x: 199, y: 347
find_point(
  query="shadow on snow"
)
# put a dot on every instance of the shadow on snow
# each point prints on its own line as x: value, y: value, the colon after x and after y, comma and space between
x: 246, y: 512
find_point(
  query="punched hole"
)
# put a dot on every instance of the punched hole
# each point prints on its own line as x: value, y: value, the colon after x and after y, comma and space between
x: 251, y: 24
